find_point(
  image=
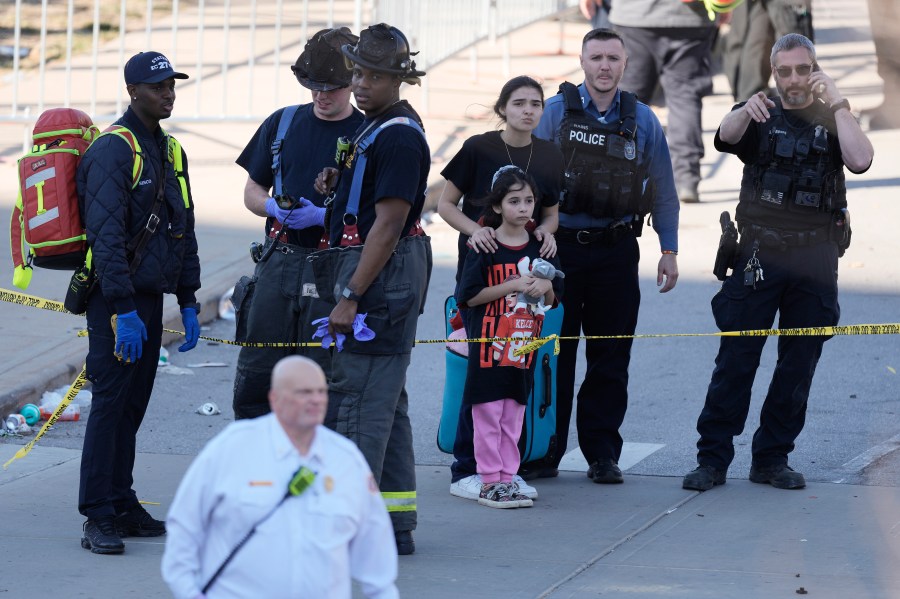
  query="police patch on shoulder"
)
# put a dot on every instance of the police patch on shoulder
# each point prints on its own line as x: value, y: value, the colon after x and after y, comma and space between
x: 630, y: 150
x: 309, y: 290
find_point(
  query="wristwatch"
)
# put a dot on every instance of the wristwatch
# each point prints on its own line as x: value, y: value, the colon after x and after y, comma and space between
x: 845, y: 103
x: 351, y: 295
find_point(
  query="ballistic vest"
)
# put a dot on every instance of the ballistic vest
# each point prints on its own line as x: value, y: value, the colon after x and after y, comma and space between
x: 602, y: 176
x: 795, y: 177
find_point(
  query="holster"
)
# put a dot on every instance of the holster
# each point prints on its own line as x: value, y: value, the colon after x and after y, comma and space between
x: 728, y: 245
x: 841, y: 231
x: 80, y: 287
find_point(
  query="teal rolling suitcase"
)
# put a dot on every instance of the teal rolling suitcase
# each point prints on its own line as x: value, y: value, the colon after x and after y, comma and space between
x: 538, y: 439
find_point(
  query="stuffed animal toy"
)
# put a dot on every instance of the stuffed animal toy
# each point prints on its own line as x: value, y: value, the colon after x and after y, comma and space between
x: 539, y: 269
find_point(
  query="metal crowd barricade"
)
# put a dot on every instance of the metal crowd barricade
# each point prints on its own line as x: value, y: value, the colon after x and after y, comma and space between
x: 236, y: 51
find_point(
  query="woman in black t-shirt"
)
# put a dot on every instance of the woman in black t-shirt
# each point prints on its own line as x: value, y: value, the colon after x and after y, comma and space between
x: 468, y: 174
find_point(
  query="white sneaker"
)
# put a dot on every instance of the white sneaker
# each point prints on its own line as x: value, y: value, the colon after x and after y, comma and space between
x: 467, y: 488
x: 524, y: 488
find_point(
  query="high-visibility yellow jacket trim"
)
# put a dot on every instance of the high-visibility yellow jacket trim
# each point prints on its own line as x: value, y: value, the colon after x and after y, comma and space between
x: 399, y: 501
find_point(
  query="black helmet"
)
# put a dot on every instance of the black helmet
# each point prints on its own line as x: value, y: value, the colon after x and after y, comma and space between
x: 382, y: 48
x: 321, y: 66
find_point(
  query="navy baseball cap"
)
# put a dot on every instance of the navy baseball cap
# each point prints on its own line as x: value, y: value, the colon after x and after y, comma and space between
x: 150, y: 67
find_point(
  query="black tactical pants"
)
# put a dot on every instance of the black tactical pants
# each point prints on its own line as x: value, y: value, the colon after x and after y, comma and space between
x: 121, y: 393
x: 601, y: 297
x: 800, y: 285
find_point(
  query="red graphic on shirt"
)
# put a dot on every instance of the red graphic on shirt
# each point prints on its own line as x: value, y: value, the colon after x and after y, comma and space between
x: 520, y: 326
x: 515, y: 327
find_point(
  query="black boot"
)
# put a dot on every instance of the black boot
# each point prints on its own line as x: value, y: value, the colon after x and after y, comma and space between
x: 100, y: 536
x: 405, y: 543
x: 136, y: 522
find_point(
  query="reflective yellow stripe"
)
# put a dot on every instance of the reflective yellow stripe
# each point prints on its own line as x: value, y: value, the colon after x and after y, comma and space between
x: 176, y: 157
x: 400, y: 501
x: 40, y: 194
x: 79, y: 132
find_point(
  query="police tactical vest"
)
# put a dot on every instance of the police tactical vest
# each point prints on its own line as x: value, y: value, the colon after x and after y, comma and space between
x: 795, y: 172
x: 602, y: 176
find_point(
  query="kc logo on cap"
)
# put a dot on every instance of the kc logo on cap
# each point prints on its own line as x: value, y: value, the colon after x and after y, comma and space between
x: 150, y: 67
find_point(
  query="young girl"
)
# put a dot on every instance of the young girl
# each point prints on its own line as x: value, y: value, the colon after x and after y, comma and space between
x: 497, y: 381
x: 519, y: 107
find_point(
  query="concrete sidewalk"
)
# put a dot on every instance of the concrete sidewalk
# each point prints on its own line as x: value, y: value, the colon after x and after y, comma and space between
x: 646, y: 538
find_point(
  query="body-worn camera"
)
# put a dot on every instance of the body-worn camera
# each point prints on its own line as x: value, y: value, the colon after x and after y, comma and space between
x: 285, y: 201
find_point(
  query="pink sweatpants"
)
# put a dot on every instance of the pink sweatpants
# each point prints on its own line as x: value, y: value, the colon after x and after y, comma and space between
x: 498, y: 425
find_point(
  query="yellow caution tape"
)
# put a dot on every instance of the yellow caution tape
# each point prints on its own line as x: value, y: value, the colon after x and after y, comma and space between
x: 855, y: 329
x: 45, y: 304
x: 14, y: 297
x: 70, y: 395
x: 536, y: 344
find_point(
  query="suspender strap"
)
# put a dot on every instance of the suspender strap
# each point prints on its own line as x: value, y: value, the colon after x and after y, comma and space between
x: 287, y: 115
x: 136, y: 246
x: 361, y: 158
x: 125, y: 134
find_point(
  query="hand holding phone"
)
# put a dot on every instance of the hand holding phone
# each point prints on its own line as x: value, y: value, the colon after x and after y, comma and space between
x: 822, y: 87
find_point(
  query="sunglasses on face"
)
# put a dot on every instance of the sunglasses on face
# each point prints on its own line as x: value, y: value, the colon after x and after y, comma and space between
x: 802, y: 70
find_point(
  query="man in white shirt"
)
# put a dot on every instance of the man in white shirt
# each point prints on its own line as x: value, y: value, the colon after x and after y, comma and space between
x: 331, y: 524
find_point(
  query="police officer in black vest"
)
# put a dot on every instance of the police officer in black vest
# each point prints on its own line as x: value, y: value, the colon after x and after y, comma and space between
x: 618, y: 170
x: 793, y: 223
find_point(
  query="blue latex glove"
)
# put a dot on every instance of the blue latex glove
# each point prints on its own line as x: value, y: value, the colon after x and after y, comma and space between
x: 322, y: 332
x: 360, y: 332
x: 130, y: 336
x: 191, y: 329
x: 304, y: 214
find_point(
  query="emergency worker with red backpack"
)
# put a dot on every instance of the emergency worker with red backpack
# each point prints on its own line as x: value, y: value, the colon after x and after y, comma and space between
x: 139, y: 221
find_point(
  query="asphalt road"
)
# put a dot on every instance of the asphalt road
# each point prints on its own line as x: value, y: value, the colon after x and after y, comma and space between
x: 852, y: 428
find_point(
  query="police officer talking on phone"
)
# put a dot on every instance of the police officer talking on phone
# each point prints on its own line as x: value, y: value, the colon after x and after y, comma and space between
x: 794, y: 225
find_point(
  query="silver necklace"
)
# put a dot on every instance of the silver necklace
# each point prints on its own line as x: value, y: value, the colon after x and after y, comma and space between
x: 508, y: 155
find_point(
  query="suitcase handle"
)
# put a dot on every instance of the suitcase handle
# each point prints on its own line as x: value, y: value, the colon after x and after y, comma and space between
x: 548, y: 385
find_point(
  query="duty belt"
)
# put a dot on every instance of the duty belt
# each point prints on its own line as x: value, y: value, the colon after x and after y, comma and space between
x: 607, y: 236
x: 781, y: 239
